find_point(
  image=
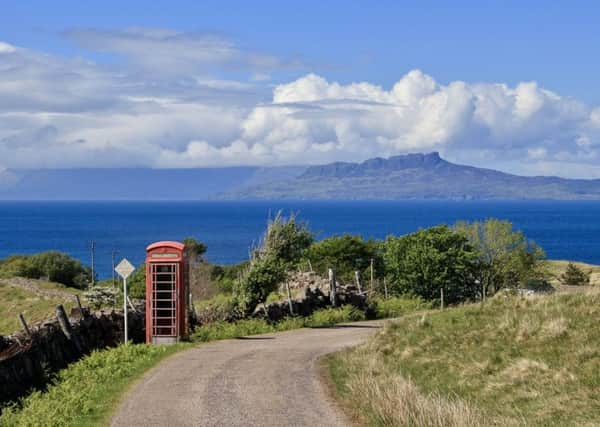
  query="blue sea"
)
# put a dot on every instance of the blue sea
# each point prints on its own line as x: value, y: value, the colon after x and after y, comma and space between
x: 566, y: 230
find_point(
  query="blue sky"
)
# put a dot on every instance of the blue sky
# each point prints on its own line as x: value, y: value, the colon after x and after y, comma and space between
x: 220, y: 59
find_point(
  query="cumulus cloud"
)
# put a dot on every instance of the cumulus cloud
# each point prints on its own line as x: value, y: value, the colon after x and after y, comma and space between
x: 58, y: 112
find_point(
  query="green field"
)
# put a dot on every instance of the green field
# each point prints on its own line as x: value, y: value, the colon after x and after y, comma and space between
x: 513, y: 361
x: 37, y: 302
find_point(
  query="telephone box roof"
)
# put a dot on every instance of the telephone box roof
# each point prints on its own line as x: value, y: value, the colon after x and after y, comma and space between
x: 166, y: 244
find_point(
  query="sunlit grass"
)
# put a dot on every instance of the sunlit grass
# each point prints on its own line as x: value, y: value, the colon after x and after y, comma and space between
x: 512, y: 361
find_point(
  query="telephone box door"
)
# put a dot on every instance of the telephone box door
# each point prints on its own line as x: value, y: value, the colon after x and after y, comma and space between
x: 164, y: 302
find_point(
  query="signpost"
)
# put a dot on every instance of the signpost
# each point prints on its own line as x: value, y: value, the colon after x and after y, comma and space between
x: 124, y: 269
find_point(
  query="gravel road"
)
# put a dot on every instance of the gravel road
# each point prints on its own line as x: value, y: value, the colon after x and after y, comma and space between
x: 262, y: 380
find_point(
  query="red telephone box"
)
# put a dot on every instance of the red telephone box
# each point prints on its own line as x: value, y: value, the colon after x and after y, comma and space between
x: 166, y: 292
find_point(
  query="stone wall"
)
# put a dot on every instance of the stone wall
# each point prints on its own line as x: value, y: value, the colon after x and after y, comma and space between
x: 27, y: 361
x: 310, y: 292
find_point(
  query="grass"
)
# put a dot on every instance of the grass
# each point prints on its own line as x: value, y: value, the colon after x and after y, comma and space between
x: 321, y: 318
x: 88, y: 391
x: 557, y: 267
x: 34, y: 307
x: 513, y: 361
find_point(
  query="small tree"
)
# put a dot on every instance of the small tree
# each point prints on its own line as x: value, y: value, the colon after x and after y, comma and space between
x: 574, y: 276
x: 346, y: 254
x: 506, y: 259
x: 427, y: 261
x: 282, y: 246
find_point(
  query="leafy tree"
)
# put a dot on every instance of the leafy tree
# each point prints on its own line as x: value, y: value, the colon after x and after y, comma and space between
x: 283, y: 245
x: 346, y: 254
x: 424, y: 262
x: 506, y: 259
x: 574, y: 276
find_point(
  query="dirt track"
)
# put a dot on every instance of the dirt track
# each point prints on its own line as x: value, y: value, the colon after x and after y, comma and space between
x: 264, y: 380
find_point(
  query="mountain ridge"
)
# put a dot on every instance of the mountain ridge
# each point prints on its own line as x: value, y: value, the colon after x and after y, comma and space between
x: 417, y: 176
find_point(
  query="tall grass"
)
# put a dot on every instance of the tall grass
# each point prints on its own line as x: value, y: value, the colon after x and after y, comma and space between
x: 513, y: 361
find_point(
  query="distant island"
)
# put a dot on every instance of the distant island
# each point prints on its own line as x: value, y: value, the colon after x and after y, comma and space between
x: 410, y: 176
x: 416, y: 176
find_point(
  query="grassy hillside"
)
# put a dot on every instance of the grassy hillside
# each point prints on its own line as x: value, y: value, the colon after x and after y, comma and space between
x: 557, y: 267
x: 513, y: 361
x: 36, y: 299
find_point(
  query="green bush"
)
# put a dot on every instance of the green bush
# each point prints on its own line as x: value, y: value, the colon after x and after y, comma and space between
x: 136, y: 283
x: 424, y: 262
x: 505, y: 258
x: 283, y: 245
x: 225, y: 276
x: 218, y: 308
x: 574, y: 276
x: 346, y: 254
x: 55, y: 266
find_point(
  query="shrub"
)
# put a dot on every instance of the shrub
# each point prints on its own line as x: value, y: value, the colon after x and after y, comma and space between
x: 424, y: 262
x: 346, y: 254
x: 282, y: 246
x: 136, y: 283
x: 574, y: 276
x: 56, y: 266
x: 101, y: 296
x: 505, y: 258
x: 219, y: 308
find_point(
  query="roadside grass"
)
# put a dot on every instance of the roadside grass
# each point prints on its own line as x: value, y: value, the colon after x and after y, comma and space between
x: 90, y: 390
x: 400, y: 306
x: 513, y: 361
x: 321, y: 318
x: 34, y: 307
x: 87, y: 392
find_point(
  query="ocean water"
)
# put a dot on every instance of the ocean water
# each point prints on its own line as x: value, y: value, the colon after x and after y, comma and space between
x: 566, y: 230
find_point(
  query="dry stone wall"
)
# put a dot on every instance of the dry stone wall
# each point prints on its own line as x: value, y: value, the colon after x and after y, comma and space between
x: 28, y: 360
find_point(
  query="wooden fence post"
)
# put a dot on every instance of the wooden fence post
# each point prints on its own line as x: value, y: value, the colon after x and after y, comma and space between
x: 65, y: 326
x: 442, y: 298
x: 24, y: 324
x: 357, y: 279
x: 332, y: 287
x: 385, y: 288
x: 79, y: 306
x: 289, y: 295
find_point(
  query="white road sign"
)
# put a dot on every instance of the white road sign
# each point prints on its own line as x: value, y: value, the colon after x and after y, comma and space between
x: 125, y: 268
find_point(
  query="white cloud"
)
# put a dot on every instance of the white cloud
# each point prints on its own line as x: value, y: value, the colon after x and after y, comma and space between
x: 163, y: 52
x: 6, y: 48
x: 58, y: 112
